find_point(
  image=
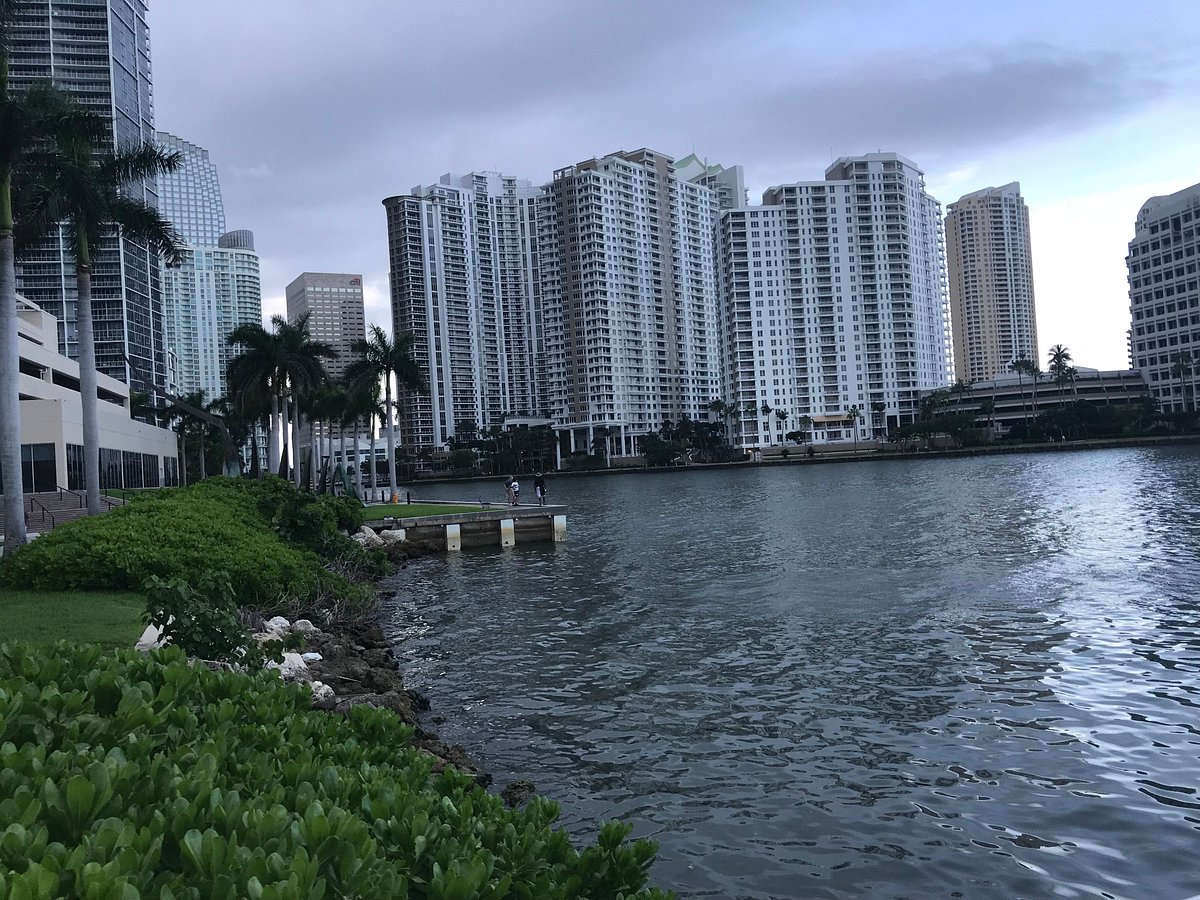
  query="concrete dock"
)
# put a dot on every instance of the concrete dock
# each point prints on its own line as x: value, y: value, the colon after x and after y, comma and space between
x: 489, y: 526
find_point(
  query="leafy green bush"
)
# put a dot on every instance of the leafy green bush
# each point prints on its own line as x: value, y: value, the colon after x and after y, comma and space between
x: 201, y: 618
x: 301, y: 518
x: 278, y: 545
x: 129, y: 776
x: 172, y: 536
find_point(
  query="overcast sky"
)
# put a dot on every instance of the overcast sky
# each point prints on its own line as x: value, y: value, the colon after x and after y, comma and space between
x: 314, y: 112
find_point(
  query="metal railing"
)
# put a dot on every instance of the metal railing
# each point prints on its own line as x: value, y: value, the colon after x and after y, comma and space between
x: 43, y: 512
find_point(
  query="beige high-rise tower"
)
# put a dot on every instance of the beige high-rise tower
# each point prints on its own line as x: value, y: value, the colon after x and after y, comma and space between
x: 993, y: 321
x: 334, y: 303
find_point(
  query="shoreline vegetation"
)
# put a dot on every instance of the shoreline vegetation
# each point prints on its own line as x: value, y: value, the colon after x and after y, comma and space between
x: 322, y: 782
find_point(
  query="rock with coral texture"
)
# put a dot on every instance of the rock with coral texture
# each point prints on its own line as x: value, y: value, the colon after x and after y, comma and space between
x: 392, y: 536
x: 323, y: 696
x: 277, y: 625
x: 305, y: 627
x: 293, y: 668
x: 368, y: 538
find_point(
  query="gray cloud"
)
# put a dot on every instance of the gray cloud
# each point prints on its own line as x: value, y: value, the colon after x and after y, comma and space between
x: 314, y: 114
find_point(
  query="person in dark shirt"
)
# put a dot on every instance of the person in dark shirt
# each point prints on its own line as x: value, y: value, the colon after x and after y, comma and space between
x: 539, y: 488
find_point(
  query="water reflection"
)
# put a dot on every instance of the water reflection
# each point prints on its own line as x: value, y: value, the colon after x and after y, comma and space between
x: 912, y: 678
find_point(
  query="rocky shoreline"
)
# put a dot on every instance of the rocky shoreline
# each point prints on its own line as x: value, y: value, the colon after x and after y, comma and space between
x: 358, y: 667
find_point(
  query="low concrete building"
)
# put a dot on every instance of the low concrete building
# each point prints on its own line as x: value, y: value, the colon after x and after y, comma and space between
x: 132, y: 453
x: 1017, y: 399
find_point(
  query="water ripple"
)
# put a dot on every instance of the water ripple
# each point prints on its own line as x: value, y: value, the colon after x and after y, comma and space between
x: 969, y: 678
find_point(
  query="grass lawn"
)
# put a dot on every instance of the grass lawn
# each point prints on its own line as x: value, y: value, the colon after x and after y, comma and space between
x: 112, y: 619
x: 409, y: 510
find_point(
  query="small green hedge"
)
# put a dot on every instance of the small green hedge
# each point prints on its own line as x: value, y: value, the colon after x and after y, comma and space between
x: 124, y: 776
x: 271, y: 539
x: 173, y: 535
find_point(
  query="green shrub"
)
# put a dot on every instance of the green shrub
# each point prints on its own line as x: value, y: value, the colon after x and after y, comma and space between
x: 200, y: 618
x: 218, y: 524
x: 130, y: 776
x: 169, y: 537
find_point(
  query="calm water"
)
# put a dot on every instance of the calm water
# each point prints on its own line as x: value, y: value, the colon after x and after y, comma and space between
x: 971, y: 678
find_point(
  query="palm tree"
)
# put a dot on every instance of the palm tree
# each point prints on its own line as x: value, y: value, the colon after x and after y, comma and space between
x: 382, y: 358
x: 1060, y: 367
x: 199, y: 427
x: 987, y: 407
x: 281, y: 364
x: 1024, y: 367
x: 782, y: 416
x: 27, y: 120
x: 79, y: 183
x: 853, y: 414
x: 805, y: 422
x: 878, y: 408
x: 1182, y: 366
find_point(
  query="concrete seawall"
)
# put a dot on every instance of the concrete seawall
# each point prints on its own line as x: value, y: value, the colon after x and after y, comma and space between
x: 501, y: 526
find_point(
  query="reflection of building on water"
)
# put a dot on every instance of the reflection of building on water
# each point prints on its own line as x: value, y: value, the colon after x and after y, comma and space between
x: 132, y: 453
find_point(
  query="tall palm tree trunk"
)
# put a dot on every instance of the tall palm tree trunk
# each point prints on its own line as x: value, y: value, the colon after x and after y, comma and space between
x: 284, y: 433
x: 273, y: 451
x: 299, y: 470
x: 374, y: 467
x: 391, y: 435
x: 203, y: 447
x: 358, y: 458
x: 85, y: 335
x: 343, y: 450
x: 10, y: 375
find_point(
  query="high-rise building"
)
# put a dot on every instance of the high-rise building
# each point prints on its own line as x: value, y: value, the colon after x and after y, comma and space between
x: 336, y: 314
x: 98, y: 50
x: 1164, y: 297
x: 629, y: 297
x: 217, y: 286
x: 834, y: 303
x: 988, y: 257
x: 463, y: 257
x: 190, y: 197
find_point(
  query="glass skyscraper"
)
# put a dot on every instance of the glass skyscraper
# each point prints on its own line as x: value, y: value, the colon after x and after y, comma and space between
x: 217, y: 287
x: 99, y: 50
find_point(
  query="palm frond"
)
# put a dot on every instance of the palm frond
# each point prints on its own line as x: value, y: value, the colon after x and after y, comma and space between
x: 143, y: 223
x: 141, y: 161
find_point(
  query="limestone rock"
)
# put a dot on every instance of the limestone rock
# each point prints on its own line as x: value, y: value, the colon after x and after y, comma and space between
x: 369, y: 539
x: 391, y: 536
x: 293, y: 668
x: 278, y: 625
x: 150, y: 639
x: 305, y: 627
x: 323, y: 696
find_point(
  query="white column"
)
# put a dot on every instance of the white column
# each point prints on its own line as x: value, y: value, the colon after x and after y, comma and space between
x: 508, y: 533
x: 453, y: 537
x: 560, y: 528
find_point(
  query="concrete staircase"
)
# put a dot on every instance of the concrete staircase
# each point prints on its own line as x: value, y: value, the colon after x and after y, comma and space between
x: 46, y: 511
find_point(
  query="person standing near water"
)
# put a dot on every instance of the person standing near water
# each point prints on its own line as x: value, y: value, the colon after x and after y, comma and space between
x: 539, y: 488
x: 508, y: 489
x: 516, y: 493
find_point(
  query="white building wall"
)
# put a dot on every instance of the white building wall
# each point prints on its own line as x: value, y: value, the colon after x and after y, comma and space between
x: 1164, y: 297
x: 834, y: 297
x: 463, y: 252
x: 629, y: 290
x: 51, y: 411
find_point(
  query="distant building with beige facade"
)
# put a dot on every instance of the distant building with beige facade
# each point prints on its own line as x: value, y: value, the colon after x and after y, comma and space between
x: 993, y: 321
x: 336, y: 315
